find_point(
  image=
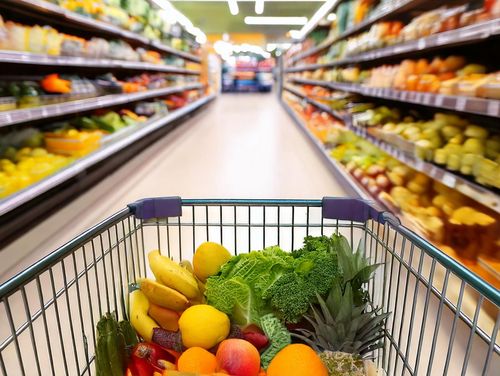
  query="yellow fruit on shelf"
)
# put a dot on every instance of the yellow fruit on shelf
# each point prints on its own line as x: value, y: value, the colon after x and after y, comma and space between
x: 172, y: 275
x: 203, y: 326
x: 162, y: 295
x: 141, y: 322
x: 208, y: 259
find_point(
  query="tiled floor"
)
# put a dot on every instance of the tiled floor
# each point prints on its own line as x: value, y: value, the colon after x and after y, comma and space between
x: 241, y: 146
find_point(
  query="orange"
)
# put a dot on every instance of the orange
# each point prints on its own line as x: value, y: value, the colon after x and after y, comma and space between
x: 297, y: 360
x: 197, y: 359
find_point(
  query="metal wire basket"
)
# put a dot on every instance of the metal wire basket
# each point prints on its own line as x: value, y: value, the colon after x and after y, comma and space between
x: 444, y: 319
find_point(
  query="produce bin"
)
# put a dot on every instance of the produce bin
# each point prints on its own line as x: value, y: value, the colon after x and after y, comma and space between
x: 443, y: 318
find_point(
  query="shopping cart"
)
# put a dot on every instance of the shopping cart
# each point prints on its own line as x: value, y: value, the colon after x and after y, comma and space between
x: 444, y: 319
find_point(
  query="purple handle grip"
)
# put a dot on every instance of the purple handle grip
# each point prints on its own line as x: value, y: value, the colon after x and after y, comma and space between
x: 352, y: 209
x: 157, y: 207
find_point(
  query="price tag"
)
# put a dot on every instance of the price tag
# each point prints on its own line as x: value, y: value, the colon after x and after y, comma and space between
x: 419, y: 164
x: 438, y: 100
x: 449, y: 180
x: 421, y: 44
x: 493, y: 108
x: 461, y: 103
x: 176, y: 31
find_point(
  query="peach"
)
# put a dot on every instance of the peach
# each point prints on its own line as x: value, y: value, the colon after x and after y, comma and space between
x: 238, y: 358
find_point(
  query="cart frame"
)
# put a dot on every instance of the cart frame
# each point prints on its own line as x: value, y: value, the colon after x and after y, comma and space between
x: 49, y: 311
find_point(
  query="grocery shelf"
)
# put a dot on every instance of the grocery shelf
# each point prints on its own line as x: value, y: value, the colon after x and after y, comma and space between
x: 16, y: 57
x: 8, y: 118
x: 464, y: 35
x: 354, y: 188
x: 391, y: 9
x: 470, y: 189
x: 319, y: 105
x: 473, y: 105
x: 52, y: 10
x: 17, y: 199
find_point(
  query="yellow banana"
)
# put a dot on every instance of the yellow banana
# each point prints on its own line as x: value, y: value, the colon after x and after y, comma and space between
x: 186, y: 264
x: 141, y: 322
x: 173, y: 275
x: 162, y: 295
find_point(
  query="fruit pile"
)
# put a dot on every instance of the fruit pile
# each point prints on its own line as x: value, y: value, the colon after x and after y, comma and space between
x: 248, y: 315
x: 441, y: 214
x: 447, y: 140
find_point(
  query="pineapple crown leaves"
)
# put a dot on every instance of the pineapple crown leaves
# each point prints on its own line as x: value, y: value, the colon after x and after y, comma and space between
x: 340, y: 325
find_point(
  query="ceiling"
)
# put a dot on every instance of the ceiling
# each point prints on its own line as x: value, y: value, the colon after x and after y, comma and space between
x: 213, y: 17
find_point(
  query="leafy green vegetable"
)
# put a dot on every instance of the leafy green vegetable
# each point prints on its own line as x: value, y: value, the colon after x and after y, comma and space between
x: 237, y: 289
x: 278, y: 336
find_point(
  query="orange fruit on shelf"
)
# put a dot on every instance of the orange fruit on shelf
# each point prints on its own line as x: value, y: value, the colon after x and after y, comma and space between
x: 197, y: 359
x: 297, y: 360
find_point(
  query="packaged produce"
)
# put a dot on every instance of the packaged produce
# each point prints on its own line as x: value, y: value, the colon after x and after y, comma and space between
x: 72, y: 142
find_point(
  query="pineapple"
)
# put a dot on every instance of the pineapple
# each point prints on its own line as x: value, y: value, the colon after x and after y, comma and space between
x: 344, y: 332
x: 346, y: 327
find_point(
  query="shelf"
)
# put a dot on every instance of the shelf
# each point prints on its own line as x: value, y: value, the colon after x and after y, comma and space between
x: 16, y: 57
x: 393, y: 8
x: 47, y: 9
x: 355, y: 189
x: 465, y: 35
x: 470, y: 189
x: 8, y: 118
x: 17, y: 199
x: 472, y: 105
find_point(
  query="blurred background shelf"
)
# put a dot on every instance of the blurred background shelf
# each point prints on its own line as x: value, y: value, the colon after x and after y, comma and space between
x: 8, y: 118
x: 12, y: 202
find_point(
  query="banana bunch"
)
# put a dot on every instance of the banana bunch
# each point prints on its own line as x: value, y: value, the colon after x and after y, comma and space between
x: 158, y: 303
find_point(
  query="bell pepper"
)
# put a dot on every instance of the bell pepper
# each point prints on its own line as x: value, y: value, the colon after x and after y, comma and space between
x: 149, y: 357
x: 54, y: 84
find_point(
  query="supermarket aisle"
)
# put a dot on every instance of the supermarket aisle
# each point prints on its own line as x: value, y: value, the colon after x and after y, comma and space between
x: 242, y: 146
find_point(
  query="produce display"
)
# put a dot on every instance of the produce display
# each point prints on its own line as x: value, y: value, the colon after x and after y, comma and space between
x: 58, y: 88
x: 47, y: 40
x: 266, y: 312
x: 443, y: 215
x: 31, y: 154
x: 139, y: 16
x: 388, y: 33
x: 451, y: 75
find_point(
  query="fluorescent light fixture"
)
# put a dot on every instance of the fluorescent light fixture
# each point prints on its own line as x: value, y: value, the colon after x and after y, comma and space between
x: 318, y: 16
x: 233, y: 7
x: 275, y: 20
x: 331, y: 17
x: 172, y: 15
x: 225, y: 49
x: 259, y: 6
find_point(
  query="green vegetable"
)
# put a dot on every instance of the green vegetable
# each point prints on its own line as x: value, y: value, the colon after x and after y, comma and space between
x: 315, y: 269
x: 278, y: 336
x: 113, y: 338
x: 237, y: 289
x: 86, y: 123
x: 110, y: 122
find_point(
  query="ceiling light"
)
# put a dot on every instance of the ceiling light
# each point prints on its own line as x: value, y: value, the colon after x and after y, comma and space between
x: 233, y: 7
x: 318, y: 16
x: 275, y: 20
x: 259, y: 6
x: 331, y: 17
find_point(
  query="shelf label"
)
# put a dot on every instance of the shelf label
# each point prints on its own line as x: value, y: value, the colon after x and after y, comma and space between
x: 493, y: 107
x: 438, y: 100
x: 461, y: 103
x: 421, y: 44
x: 449, y: 180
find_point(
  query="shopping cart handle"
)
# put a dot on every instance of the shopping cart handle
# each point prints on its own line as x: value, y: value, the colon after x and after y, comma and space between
x: 355, y: 209
x: 157, y: 207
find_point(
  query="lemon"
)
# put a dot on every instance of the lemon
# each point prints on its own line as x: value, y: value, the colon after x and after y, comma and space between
x: 203, y: 326
x: 208, y: 259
